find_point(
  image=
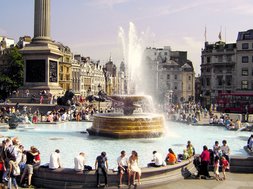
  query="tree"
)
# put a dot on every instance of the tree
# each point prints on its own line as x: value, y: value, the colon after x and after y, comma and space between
x: 12, y: 73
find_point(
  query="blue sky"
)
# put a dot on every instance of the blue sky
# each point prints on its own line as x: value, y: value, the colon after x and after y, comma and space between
x: 90, y: 27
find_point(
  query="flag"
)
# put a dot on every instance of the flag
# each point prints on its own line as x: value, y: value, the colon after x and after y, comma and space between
x: 205, y: 34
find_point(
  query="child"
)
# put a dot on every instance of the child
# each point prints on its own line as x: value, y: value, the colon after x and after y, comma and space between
x: 216, y: 168
x: 225, y: 165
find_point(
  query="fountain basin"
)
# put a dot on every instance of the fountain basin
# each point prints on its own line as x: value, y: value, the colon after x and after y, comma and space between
x: 131, y: 126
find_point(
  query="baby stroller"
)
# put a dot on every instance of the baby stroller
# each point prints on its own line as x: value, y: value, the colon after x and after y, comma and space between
x: 197, y: 163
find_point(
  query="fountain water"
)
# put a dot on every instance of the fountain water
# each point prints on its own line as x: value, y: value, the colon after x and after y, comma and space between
x: 131, y: 124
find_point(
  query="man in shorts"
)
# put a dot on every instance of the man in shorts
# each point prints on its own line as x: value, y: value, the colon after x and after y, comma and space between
x: 122, y: 165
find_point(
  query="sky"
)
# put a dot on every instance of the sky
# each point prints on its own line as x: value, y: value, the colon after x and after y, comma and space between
x: 91, y: 27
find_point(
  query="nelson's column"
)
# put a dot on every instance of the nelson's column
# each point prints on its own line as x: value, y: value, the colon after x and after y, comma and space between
x: 41, y: 57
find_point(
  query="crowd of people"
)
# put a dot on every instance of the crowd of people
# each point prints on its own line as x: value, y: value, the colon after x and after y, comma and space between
x: 15, y: 162
x: 73, y: 113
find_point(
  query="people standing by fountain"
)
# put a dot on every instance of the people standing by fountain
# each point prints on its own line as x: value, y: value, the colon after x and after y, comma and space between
x: 216, y: 149
x: 216, y: 166
x: 225, y: 149
x: 30, y: 161
x: 101, y: 166
x: 171, y: 157
x: 134, y: 168
x: 205, y: 159
x: 225, y: 166
x: 157, y: 160
x: 55, y: 160
x: 122, y: 165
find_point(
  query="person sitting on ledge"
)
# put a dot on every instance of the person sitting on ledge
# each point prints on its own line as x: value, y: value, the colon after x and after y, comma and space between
x: 79, y: 162
x: 55, y: 162
x: 157, y: 160
x: 250, y: 143
x: 190, y: 149
x: 171, y: 158
x: 122, y: 165
x: 134, y: 168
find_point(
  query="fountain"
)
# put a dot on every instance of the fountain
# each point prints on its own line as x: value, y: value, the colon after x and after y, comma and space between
x: 130, y: 123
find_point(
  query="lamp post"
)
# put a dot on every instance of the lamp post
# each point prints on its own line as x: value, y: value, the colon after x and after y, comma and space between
x: 99, y: 95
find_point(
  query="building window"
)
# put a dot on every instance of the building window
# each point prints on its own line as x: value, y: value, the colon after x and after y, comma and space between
x: 175, y: 87
x: 175, y: 77
x: 245, y: 46
x: 244, y: 85
x: 168, y: 76
x: 207, y: 82
x: 229, y: 58
x: 208, y: 59
x: 155, y: 53
x: 168, y: 86
x: 245, y: 59
x: 165, y: 53
x: 190, y: 78
x: 245, y: 72
x: 219, y: 58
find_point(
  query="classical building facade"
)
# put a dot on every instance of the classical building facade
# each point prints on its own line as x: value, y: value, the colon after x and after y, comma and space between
x: 218, y: 65
x: 244, y: 59
x: 88, y: 76
x: 227, y: 67
x: 170, y: 73
x: 65, y: 70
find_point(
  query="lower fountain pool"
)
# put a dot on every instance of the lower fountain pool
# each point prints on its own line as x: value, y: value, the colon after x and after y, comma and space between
x: 70, y: 139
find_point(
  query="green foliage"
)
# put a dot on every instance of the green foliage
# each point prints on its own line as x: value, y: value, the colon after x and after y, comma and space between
x: 11, y: 75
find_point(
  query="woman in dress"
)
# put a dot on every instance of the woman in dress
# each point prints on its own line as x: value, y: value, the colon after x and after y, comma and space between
x: 134, y: 168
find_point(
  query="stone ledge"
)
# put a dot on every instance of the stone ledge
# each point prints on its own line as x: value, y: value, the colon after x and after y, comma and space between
x: 68, y: 178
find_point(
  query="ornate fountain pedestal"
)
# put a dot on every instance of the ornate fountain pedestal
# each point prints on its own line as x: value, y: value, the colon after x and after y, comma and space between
x: 129, y: 124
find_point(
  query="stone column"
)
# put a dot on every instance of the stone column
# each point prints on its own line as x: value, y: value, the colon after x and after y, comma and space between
x: 42, y: 21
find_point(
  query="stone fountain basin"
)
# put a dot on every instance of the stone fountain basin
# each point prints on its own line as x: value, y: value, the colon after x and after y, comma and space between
x: 144, y: 125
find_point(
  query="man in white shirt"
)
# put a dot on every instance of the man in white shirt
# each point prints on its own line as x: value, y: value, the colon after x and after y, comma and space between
x: 55, y: 162
x: 79, y: 162
x: 225, y: 149
x: 157, y: 160
x: 122, y: 165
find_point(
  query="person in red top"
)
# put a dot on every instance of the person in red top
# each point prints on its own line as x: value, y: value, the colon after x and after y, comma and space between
x: 205, y: 159
x: 225, y: 165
